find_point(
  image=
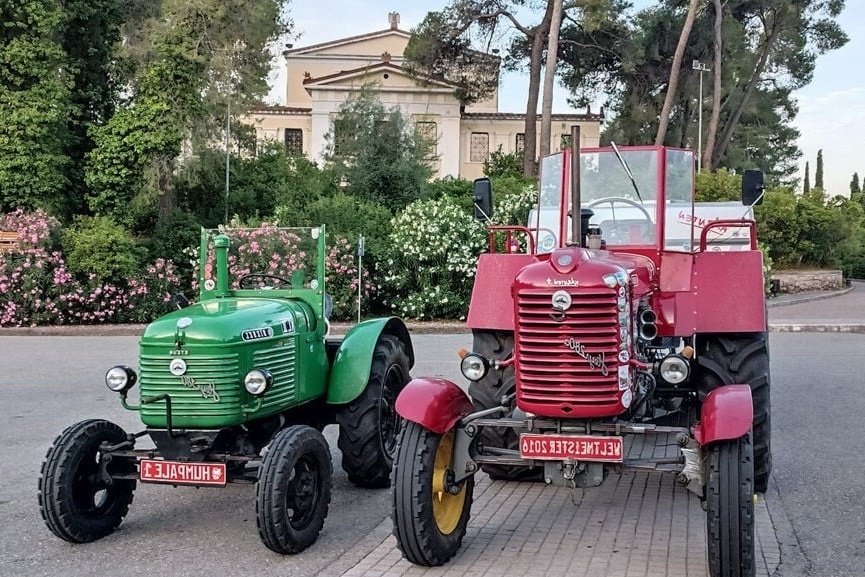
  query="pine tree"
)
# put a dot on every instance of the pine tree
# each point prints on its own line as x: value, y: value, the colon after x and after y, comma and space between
x: 854, y: 184
x: 818, y: 173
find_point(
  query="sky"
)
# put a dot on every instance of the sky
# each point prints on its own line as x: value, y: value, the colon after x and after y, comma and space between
x: 831, y: 109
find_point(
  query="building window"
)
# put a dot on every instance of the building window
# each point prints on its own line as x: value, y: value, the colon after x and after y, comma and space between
x: 565, y: 142
x: 429, y: 132
x: 294, y: 141
x: 479, y: 148
x: 341, y: 137
x: 520, y: 144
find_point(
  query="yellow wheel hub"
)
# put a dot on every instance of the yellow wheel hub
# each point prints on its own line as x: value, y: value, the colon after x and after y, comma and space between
x: 447, y: 508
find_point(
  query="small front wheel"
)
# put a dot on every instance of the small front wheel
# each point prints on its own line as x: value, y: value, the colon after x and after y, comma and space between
x: 730, y: 508
x: 293, y: 490
x: 80, y: 497
x: 429, y: 516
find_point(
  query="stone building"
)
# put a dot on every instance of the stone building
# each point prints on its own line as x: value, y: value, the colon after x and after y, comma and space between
x: 320, y: 77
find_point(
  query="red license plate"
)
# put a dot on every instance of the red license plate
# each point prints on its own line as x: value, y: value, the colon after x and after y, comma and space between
x: 178, y: 473
x: 577, y: 447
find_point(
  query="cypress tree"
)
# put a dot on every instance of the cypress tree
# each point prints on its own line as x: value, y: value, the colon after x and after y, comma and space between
x: 818, y: 173
x: 806, y: 187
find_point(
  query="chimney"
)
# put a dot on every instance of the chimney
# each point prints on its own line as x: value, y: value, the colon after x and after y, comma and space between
x: 393, y: 18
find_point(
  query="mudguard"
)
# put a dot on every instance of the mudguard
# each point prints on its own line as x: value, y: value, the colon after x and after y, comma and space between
x: 435, y: 404
x: 350, y: 371
x: 727, y: 414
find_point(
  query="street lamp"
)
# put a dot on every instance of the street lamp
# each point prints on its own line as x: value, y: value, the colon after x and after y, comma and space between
x: 699, y: 66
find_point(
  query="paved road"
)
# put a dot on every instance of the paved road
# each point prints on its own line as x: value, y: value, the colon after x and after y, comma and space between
x: 812, y: 520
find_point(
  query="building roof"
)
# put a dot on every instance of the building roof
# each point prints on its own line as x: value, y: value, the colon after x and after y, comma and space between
x: 588, y: 116
x: 282, y: 110
x: 344, y: 41
x: 385, y: 66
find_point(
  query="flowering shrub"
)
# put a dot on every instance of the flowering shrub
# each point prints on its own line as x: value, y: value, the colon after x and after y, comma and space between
x: 36, y: 287
x: 281, y: 252
x: 430, y: 264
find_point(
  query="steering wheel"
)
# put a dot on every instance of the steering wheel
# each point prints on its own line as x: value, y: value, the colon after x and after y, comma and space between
x: 618, y: 234
x: 611, y: 200
x: 248, y: 279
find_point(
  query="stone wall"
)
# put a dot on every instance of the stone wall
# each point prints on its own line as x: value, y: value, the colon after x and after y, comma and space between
x: 808, y: 280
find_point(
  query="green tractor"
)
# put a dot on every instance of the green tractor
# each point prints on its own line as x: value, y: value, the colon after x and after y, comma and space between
x: 237, y: 388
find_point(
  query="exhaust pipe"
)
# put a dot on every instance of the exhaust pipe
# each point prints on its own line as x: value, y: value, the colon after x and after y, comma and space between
x: 648, y: 329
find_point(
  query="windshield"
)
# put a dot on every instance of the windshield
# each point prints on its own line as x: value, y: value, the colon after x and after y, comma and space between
x: 290, y: 254
x: 626, y: 211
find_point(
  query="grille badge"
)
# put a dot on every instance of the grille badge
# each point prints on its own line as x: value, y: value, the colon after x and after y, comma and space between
x: 561, y: 300
x: 177, y: 367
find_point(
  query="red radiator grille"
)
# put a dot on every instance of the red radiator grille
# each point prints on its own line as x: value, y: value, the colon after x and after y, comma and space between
x: 554, y: 378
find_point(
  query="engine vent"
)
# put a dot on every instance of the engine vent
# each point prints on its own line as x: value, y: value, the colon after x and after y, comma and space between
x: 567, y: 363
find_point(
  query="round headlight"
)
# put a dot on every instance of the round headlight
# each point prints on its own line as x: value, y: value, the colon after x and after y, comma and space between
x: 474, y: 367
x: 120, y: 379
x: 548, y: 242
x: 257, y: 381
x: 675, y: 369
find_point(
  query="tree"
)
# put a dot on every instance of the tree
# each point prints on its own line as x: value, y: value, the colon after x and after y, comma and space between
x: 806, y: 186
x: 91, y: 34
x: 854, y: 184
x: 818, y: 173
x: 549, y: 77
x: 768, y: 51
x: 674, y: 73
x: 790, y: 36
x: 717, y: 79
x: 377, y: 154
x: 187, y: 62
x: 439, y: 44
x: 34, y: 105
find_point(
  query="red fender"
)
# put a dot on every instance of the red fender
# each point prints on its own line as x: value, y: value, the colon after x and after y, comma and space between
x: 727, y: 414
x: 436, y: 404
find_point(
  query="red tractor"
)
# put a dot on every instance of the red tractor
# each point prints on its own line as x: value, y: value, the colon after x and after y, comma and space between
x: 644, y: 316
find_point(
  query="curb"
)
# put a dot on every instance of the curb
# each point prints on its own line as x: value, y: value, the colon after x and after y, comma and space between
x: 807, y: 298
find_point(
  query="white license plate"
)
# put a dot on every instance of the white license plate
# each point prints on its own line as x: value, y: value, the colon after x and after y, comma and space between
x: 576, y: 447
x: 179, y: 473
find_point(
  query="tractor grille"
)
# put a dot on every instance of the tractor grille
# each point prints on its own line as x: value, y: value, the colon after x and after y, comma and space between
x: 561, y: 363
x: 280, y: 361
x: 191, y: 399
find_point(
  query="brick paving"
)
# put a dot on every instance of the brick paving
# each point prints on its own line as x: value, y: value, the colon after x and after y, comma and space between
x: 634, y: 525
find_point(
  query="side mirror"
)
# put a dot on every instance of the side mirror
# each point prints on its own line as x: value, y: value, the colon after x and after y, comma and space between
x: 482, y: 197
x: 752, y: 187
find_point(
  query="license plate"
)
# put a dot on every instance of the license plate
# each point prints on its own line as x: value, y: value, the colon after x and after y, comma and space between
x: 178, y: 473
x: 577, y: 447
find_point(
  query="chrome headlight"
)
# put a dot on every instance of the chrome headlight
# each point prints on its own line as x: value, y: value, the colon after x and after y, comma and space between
x: 474, y: 367
x: 675, y: 369
x: 257, y: 381
x: 120, y: 378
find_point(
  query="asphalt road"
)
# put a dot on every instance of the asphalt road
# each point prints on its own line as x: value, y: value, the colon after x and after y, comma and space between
x: 48, y: 383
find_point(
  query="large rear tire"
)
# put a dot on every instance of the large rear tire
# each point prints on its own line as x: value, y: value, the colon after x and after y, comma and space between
x: 429, y: 523
x: 78, y: 502
x: 369, y: 425
x: 293, y: 490
x: 730, y: 509
x: 488, y: 393
x: 742, y: 359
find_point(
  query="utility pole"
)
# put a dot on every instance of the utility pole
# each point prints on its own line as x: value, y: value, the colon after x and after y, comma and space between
x: 699, y: 66
x: 227, y: 148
